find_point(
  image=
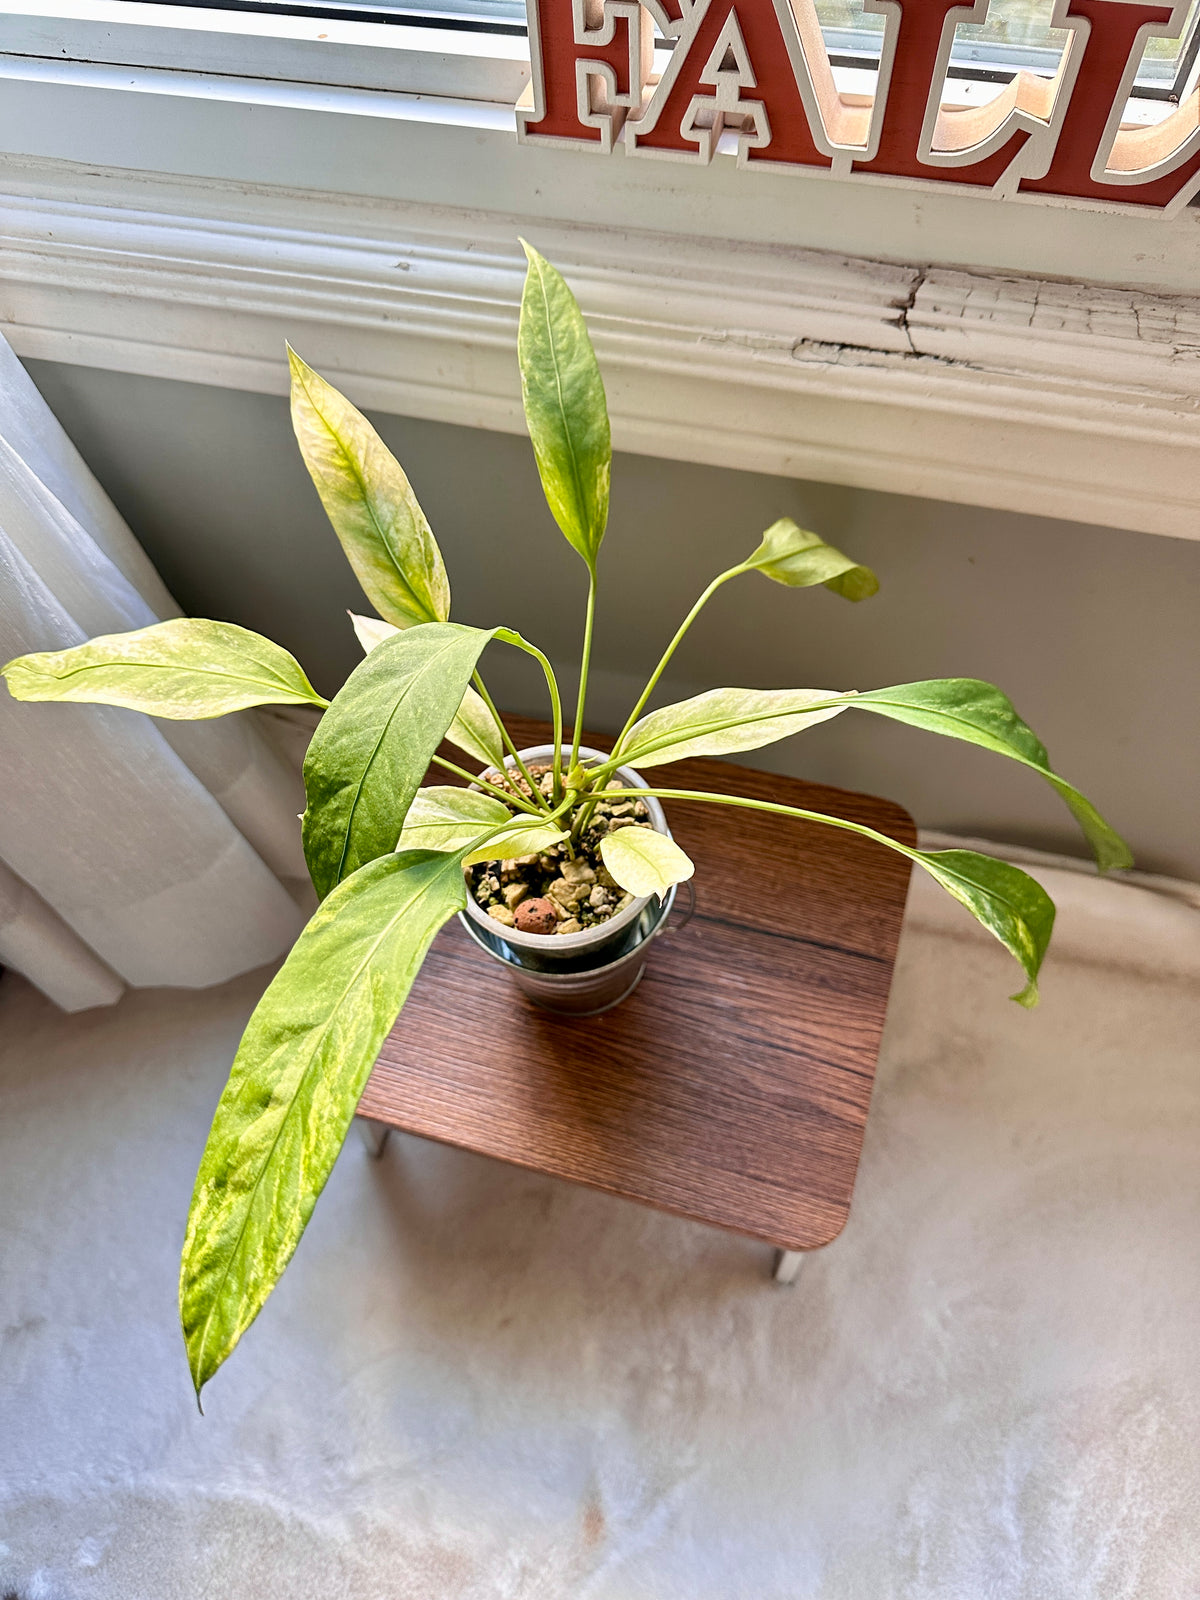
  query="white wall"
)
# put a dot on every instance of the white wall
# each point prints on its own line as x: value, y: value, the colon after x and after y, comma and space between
x: 1093, y: 631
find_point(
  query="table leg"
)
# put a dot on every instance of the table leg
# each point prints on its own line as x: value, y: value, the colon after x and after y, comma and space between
x: 787, y: 1265
x: 374, y: 1134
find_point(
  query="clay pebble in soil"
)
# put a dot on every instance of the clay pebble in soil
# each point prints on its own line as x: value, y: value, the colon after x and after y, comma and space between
x: 536, y: 916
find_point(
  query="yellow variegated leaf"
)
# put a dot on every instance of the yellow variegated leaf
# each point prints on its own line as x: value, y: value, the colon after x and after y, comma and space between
x: 443, y: 817
x: 565, y: 408
x: 187, y: 669
x: 723, y: 721
x: 1011, y: 905
x: 370, y: 631
x: 644, y: 861
x: 474, y: 727
x: 790, y: 554
x: 370, y: 503
x: 298, y: 1075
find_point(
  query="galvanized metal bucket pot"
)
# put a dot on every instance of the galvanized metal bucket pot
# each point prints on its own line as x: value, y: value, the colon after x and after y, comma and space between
x: 587, y: 972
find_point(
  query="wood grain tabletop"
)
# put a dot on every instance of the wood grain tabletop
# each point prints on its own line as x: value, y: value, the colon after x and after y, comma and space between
x: 733, y: 1085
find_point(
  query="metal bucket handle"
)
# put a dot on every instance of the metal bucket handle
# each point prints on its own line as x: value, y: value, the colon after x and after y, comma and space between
x: 672, y: 926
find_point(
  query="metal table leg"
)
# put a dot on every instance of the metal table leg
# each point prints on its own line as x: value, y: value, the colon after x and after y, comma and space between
x: 787, y: 1265
x: 374, y: 1134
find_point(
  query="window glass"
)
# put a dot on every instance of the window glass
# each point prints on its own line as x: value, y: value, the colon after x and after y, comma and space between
x: 1017, y: 33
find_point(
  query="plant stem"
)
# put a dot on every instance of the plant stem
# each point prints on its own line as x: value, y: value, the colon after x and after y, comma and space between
x: 585, y: 663
x: 536, y: 794
x: 509, y: 798
x: 768, y: 805
x: 587, y: 807
x: 721, y: 578
x: 581, y: 821
x: 518, y: 643
x: 502, y: 827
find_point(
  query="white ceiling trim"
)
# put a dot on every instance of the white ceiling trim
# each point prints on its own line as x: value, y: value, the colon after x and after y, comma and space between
x: 1058, y: 398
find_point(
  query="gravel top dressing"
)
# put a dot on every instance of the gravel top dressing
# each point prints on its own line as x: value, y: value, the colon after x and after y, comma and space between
x: 555, y: 892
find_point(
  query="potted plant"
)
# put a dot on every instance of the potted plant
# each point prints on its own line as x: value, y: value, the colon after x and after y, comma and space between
x: 557, y: 851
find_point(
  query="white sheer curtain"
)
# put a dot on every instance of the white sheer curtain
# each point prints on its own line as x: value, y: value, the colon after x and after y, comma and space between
x: 132, y: 851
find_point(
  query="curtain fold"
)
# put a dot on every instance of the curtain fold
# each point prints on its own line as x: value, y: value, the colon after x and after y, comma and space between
x: 132, y: 850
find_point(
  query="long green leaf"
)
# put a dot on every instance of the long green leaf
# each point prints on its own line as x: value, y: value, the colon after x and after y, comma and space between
x: 722, y: 721
x: 979, y: 713
x: 372, y: 747
x: 644, y: 861
x: 299, y: 1072
x: 790, y: 554
x: 565, y: 408
x: 187, y: 669
x: 474, y: 727
x: 445, y: 818
x: 1008, y: 902
x: 370, y: 503
x: 726, y: 720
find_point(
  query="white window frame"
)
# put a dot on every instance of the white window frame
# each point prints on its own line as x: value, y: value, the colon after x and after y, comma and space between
x: 181, y: 189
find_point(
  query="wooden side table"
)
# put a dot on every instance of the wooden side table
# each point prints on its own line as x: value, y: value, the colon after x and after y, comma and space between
x: 732, y: 1086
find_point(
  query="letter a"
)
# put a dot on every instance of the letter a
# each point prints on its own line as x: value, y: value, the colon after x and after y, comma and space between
x: 738, y: 65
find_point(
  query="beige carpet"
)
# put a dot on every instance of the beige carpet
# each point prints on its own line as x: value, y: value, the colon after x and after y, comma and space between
x: 475, y: 1383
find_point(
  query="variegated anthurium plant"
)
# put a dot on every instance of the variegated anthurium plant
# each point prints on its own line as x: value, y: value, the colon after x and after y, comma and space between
x: 387, y: 857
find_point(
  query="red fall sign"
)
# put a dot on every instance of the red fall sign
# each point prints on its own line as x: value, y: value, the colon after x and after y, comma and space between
x: 759, y: 70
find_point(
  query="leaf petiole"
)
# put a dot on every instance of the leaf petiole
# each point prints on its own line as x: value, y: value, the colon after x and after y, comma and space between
x: 509, y: 797
x: 722, y: 577
x: 536, y: 794
x: 762, y: 805
x: 508, y: 636
x: 584, y: 665
x: 1011, y: 905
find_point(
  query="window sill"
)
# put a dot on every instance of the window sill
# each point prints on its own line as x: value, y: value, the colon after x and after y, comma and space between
x: 1060, y: 399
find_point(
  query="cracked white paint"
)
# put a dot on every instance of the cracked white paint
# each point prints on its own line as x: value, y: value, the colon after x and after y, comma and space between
x: 1053, y: 397
x: 980, y: 324
x: 477, y: 1384
x: 1100, y: 336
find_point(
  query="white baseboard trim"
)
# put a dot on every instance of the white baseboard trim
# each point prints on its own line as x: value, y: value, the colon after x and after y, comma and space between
x: 1053, y: 398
